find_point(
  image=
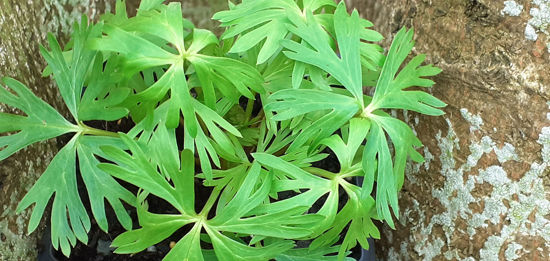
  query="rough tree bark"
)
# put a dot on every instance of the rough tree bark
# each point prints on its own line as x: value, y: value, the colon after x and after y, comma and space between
x: 483, y: 192
x: 23, y: 26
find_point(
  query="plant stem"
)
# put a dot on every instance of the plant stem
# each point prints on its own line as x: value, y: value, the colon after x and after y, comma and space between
x: 210, y: 202
x: 97, y: 132
x: 321, y: 172
x: 248, y: 112
x: 356, y: 169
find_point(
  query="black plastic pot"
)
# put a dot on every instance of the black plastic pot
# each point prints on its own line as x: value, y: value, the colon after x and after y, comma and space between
x: 46, y: 251
x: 370, y: 254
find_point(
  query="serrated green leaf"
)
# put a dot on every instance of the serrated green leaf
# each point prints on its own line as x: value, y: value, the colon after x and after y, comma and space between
x: 188, y: 248
x: 264, y: 19
x: 356, y: 213
x: 389, y: 88
x: 256, y: 21
x: 145, y: 5
x: 346, y: 151
x: 138, y: 170
x: 154, y: 228
x: 226, y: 75
x: 229, y: 249
x: 42, y: 122
x: 138, y: 52
x: 306, y: 254
x: 291, y: 103
x: 101, y: 97
x: 344, y: 66
x: 377, y: 158
x: 389, y: 172
x: 100, y: 185
x: 59, y: 179
x: 70, y: 76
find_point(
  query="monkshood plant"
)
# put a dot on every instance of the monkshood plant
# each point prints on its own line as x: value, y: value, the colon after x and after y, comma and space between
x: 246, y: 116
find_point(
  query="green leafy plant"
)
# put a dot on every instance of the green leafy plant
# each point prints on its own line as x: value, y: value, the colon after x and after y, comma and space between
x: 249, y: 115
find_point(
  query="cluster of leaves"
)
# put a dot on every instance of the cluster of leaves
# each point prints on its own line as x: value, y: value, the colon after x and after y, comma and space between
x: 248, y: 115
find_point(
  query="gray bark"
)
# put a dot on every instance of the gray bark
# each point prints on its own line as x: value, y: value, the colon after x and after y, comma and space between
x: 482, y: 193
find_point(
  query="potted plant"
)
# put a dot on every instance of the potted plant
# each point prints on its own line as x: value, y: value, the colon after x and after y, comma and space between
x: 230, y: 133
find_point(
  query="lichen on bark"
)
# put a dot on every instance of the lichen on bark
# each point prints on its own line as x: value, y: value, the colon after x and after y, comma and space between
x: 482, y: 192
x: 520, y: 204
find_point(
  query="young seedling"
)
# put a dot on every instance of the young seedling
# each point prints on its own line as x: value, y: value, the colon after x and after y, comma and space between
x: 249, y: 115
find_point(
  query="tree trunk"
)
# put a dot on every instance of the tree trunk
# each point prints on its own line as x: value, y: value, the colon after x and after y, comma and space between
x: 23, y: 26
x: 482, y: 193
x: 200, y: 13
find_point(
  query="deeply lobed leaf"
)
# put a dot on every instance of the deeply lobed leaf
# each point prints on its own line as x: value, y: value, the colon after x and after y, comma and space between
x: 263, y: 21
x: 41, y: 123
x: 307, y: 62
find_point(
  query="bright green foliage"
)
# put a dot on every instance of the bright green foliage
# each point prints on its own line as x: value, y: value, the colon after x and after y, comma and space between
x: 41, y: 123
x: 263, y: 20
x: 244, y: 119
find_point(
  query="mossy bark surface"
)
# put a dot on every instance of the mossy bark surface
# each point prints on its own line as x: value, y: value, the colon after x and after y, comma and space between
x: 23, y: 26
x: 483, y: 192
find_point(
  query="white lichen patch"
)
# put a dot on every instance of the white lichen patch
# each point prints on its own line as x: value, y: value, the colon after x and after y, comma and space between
x: 428, y: 157
x: 491, y: 249
x: 506, y: 153
x: 540, y: 15
x: 3, y: 55
x: 478, y: 149
x: 474, y: 120
x: 513, y: 208
x: 64, y: 18
x: 511, y: 252
x: 539, y: 21
x: 494, y: 175
x: 531, y: 200
x: 511, y: 8
x: 432, y: 249
x: 530, y: 33
x: 544, y: 140
x: 392, y: 255
x: 13, y: 252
